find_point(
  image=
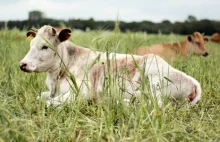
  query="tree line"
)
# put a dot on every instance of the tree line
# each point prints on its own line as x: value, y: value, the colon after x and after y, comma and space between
x: 188, y: 26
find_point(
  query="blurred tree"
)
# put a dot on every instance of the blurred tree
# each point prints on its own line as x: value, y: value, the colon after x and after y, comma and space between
x: 165, y: 27
x: 191, y: 18
x: 35, y: 15
x: 177, y: 28
x: 166, y: 22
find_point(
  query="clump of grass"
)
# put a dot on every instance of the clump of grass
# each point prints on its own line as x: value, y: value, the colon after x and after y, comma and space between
x: 24, y: 118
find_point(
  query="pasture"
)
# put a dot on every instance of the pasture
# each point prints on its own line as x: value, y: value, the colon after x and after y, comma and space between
x: 24, y: 118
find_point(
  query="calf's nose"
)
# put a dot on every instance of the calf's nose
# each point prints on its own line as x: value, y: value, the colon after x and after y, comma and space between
x: 23, y: 66
x: 206, y: 54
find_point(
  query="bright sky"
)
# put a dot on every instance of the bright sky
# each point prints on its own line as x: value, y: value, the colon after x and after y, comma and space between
x: 128, y: 10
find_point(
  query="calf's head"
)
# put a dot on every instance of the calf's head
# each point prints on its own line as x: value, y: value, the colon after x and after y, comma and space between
x: 198, y: 44
x: 42, y: 55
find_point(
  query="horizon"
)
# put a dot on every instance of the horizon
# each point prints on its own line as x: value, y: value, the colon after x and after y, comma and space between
x: 172, y: 10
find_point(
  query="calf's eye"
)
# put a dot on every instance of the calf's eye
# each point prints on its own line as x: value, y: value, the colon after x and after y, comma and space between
x: 44, y: 47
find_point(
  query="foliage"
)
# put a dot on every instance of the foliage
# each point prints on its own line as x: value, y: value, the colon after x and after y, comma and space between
x: 190, y: 25
x: 35, y: 15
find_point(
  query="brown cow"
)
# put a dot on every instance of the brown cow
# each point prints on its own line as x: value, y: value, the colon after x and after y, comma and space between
x: 216, y: 37
x: 194, y: 44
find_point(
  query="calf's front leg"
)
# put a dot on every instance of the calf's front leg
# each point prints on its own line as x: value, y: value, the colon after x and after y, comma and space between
x: 58, y: 100
x: 44, y: 95
x: 53, y: 85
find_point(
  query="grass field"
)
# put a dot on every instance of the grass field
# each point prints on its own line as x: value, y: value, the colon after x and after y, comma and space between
x: 24, y: 118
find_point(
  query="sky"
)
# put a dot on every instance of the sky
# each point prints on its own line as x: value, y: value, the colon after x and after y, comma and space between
x: 126, y: 10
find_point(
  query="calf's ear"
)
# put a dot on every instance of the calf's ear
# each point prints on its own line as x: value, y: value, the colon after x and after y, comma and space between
x: 54, y: 32
x: 64, y: 34
x: 206, y: 39
x: 31, y: 33
x: 189, y: 38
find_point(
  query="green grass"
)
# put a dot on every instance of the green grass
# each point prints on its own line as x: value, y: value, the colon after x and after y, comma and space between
x: 24, y: 118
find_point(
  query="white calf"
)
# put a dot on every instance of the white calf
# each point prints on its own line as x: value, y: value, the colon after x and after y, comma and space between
x: 51, y: 52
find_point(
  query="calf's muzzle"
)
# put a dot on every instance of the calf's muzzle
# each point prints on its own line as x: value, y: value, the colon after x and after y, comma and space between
x: 206, y: 54
x: 23, y: 67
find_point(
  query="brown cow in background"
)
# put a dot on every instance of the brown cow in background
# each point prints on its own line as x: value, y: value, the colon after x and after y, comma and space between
x: 216, y: 37
x: 194, y: 44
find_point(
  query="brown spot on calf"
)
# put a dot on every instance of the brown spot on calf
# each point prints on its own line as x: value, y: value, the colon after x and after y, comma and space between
x: 71, y: 51
x: 192, y: 96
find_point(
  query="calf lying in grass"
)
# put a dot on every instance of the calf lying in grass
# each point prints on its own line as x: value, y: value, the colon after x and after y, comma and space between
x: 70, y: 66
